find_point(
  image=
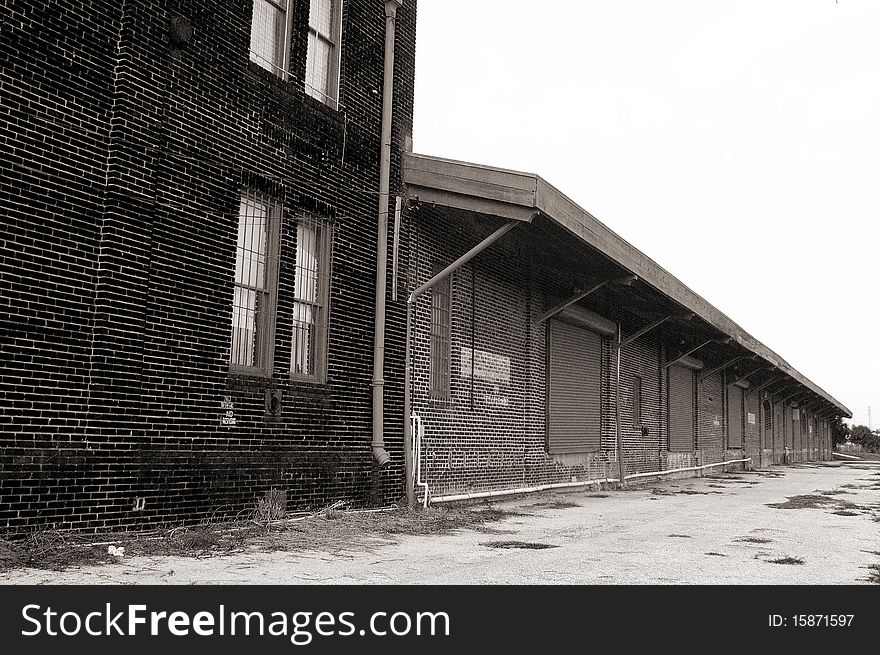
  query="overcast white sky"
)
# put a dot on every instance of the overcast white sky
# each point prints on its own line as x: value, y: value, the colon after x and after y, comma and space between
x: 735, y: 143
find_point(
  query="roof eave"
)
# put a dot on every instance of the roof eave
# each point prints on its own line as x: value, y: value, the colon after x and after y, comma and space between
x: 516, y: 195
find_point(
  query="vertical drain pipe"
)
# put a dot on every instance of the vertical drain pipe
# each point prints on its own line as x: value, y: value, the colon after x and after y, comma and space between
x: 380, y: 455
x: 620, y: 464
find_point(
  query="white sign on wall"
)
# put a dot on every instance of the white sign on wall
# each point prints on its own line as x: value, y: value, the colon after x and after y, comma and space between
x: 751, y: 418
x: 487, y: 366
x: 228, y: 417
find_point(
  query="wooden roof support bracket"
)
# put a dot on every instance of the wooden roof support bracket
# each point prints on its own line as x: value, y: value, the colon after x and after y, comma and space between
x: 792, y: 396
x: 722, y: 367
x: 779, y: 391
x: 763, y: 386
x: 580, y: 295
x: 689, y: 352
x: 642, y: 332
x: 745, y: 377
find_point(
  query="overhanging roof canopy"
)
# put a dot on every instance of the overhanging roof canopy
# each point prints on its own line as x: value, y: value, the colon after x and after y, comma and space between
x: 520, y: 196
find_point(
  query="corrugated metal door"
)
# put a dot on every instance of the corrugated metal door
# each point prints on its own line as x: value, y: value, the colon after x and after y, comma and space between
x: 681, y: 409
x: 734, y: 417
x: 574, y: 408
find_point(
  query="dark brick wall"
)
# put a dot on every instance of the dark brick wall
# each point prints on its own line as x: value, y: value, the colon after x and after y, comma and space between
x: 490, y: 434
x: 125, y: 161
x: 57, y: 64
x: 711, y: 421
x: 752, y: 436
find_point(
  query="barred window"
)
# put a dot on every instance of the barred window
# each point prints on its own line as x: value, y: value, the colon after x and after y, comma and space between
x: 322, y: 59
x: 270, y: 35
x: 310, y: 298
x: 441, y: 324
x: 255, y: 281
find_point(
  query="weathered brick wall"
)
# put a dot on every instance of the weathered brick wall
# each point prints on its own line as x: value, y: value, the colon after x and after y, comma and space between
x: 490, y: 434
x: 778, y: 433
x: 641, y: 452
x: 56, y: 65
x: 135, y: 412
x: 711, y: 419
x: 752, y: 436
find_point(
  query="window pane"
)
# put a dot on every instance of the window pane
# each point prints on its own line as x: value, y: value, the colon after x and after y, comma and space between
x: 251, y: 298
x: 306, y: 279
x: 250, y: 254
x: 301, y: 358
x: 321, y: 16
x: 310, y: 286
x: 318, y: 68
x: 244, y: 321
x: 268, y: 31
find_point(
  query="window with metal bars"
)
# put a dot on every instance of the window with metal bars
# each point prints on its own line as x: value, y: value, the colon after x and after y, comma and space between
x: 637, y: 402
x: 310, y: 298
x: 253, y: 304
x: 270, y: 35
x: 322, y: 58
x: 441, y: 327
x: 768, y: 416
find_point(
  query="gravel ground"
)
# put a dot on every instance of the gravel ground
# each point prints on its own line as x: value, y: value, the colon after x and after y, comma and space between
x: 713, y: 530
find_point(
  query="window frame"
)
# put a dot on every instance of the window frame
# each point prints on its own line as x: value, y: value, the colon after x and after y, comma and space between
x: 330, y: 99
x: 264, y: 322
x: 444, y: 393
x: 318, y: 347
x: 282, y: 71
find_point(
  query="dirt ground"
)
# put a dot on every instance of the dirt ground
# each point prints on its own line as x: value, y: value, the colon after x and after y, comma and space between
x: 809, y: 524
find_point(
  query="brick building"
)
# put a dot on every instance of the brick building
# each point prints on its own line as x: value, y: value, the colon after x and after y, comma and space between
x: 189, y: 193
x: 198, y: 307
x: 551, y: 346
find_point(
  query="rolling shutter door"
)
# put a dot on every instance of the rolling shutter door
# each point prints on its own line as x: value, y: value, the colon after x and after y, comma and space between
x: 574, y: 397
x: 681, y: 409
x: 734, y: 417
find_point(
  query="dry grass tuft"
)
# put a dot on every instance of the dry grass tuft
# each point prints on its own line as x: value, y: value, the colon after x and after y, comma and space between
x: 330, y: 530
x: 787, y: 560
x: 527, y: 545
x: 554, y: 504
x: 809, y: 501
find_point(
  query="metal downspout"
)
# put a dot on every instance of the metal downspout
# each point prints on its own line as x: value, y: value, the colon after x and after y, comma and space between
x: 380, y: 455
x: 407, y: 376
x: 619, y: 436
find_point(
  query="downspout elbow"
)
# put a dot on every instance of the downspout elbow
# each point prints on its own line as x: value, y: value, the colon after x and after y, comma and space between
x: 380, y: 455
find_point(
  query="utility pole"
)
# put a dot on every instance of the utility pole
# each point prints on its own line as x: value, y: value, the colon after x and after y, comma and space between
x: 870, y: 427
